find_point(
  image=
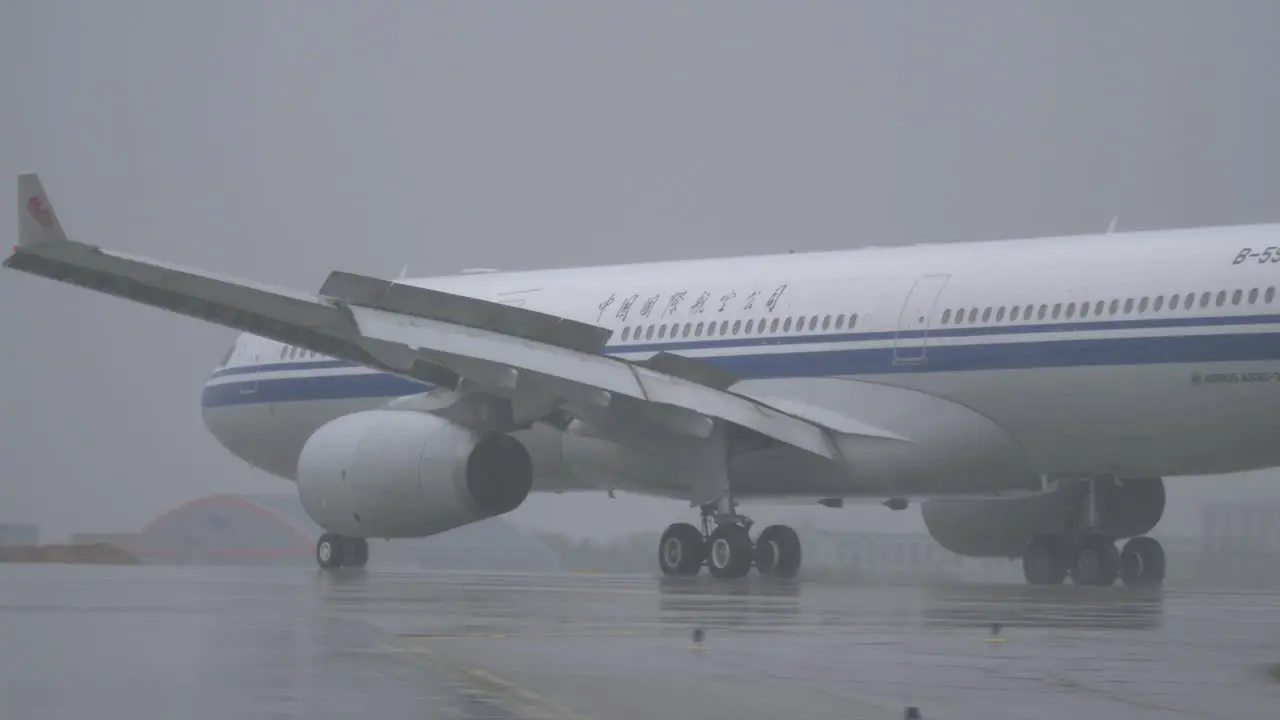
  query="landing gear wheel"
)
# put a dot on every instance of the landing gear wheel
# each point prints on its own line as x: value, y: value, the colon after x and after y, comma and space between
x: 729, y: 551
x: 1097, y: 562
x: 1142, y: 562
x: 357, y: 552
x: 682, y: 550
x: 778, y: 552
x: 1043, y: 562
x: 330, y: 551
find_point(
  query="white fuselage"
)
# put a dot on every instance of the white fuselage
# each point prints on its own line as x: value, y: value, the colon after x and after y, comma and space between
x: 1139, y: 354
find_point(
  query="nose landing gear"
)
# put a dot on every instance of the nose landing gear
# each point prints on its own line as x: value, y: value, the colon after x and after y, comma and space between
x: 335, y: 551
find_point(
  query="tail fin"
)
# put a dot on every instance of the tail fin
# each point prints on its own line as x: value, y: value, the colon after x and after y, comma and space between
x: 37, y: 223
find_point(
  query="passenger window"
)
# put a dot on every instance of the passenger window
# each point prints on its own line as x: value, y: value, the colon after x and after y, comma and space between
x: 1142, y: 305
x: 973, y: 315
x: 662, y: 331
x: 786, y: 326
x: 1084, y: 309
x: 1044, y: 310
x: 840, y: 320
x: 1159, y: 303
x: 1204, y: 299
x: 800, y: 324
x: 626, y: 332
x: 1000, y: 315
x: 697, y: 330
x: 1222, y: 297
x: 1057, y: 310
x: 1271, y: 295
x: 751, y: 324
x: 737, y: 325
x: 773, y: 326
x: 1173, y: 302
x: 813, y: 323
x: 283, y: 349
x: 1253, y: 296
x: 688, y: 328
x: 826, y: 322
x: 853, y: 320
x: 648, y: 332
x: 1097, y: 309
x: 761, y: 326
x: 1128, y: 306
x: 1071, y: 310
x: 986, y: 315
x: 960, y: 316
x: 1014, y: 315
x: 1236, y: 297
x: 1115, y: 306
x: 724, y: 328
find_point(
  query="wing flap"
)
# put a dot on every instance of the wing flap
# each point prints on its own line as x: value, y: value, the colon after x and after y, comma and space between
x: 470, y: 312
x: 550, y: 368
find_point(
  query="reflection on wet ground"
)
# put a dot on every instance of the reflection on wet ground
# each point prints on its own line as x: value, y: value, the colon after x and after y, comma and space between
x: 284, y: 643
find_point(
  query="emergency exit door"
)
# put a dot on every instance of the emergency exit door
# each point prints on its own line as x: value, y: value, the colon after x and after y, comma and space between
x: 911, y: 342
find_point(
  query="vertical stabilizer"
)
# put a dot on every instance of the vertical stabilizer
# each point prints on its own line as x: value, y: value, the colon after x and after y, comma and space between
x: 37, y: 223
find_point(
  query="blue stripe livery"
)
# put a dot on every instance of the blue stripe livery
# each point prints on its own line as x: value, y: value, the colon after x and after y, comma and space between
x: 798, y: 362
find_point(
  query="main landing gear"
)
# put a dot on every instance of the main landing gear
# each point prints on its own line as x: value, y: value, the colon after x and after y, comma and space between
x: 335, y: 551
x: 1090, y: 557
x: 728, y: 551
x: 1093, y: 560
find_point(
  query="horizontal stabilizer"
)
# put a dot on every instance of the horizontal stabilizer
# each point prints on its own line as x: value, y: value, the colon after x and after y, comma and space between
x: 467, y: 311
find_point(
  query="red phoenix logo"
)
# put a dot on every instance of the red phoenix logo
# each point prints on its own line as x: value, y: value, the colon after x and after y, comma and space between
x: 37, y: 210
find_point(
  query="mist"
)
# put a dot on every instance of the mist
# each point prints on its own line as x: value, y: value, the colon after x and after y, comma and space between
x: 279, y: 141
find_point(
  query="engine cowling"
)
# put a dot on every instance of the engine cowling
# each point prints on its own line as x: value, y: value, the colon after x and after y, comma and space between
x: 390, y: 474
x: 1002, y: 527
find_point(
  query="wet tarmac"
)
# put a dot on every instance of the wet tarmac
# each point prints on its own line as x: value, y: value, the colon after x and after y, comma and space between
x: 131, y: 642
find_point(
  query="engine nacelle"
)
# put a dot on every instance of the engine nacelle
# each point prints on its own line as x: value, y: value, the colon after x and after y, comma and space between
x: 1002, y: 527
x: 388, y: 474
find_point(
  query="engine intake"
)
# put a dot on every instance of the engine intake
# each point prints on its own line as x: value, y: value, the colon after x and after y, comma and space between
x: 385, y: 473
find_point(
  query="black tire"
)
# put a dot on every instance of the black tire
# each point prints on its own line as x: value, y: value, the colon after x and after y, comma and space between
x: 1142, y: 562
x: 330, y: 551
x: 777, y: 552
x: 1097, y: 562
x: 682, y: 550
x: 1044, y: 562
x: 729, y: 551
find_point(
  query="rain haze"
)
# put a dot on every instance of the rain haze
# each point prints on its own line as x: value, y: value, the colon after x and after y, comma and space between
x: 279, y: 141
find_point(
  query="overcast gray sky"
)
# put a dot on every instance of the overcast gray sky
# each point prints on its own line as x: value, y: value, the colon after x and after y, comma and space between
x: 280, y: 140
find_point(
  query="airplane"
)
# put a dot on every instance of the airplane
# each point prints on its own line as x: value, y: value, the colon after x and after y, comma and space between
x: 1032, y: 395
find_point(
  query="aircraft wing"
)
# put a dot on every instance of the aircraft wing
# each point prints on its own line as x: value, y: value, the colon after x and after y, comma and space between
x: 539, y: 363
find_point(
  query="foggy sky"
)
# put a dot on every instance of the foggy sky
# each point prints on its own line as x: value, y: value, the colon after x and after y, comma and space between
x: 278, y: 141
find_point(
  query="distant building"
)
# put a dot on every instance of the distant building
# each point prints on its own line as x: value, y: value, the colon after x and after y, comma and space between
x: 1240, y: 527
x: 274, y: 529
x: 12, y: 534
x: 120, y: 540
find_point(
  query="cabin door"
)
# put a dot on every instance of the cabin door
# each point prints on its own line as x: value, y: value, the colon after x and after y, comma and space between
x: 910, y: 343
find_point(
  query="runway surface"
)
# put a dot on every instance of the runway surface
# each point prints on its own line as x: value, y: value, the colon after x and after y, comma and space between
x: 130, y: 642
